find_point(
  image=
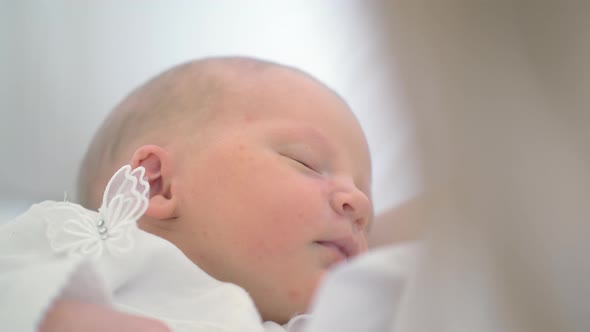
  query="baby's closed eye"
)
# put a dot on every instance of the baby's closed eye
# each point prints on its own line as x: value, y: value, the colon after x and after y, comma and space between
x: 303, y: 161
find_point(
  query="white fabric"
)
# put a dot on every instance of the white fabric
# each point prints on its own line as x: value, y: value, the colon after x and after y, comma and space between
x: 365, y: 294
x: 295, y: 324
x: 153, y: 279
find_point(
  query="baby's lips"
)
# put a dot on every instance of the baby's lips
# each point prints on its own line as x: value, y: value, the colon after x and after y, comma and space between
x: 347, y: 245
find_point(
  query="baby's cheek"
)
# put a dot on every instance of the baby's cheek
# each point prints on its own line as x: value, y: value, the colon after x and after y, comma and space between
x: 276, y: 240
x: 274, y: 251
x: 291, y: 229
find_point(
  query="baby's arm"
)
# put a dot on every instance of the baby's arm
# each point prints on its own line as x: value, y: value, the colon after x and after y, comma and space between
x: 74, y: 316
x: 402, y: 223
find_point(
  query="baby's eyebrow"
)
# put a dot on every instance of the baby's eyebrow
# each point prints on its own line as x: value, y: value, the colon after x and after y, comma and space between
x: 310, y: 134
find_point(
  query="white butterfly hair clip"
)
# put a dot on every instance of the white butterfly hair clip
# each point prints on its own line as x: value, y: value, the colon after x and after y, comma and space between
x: 74, y: 230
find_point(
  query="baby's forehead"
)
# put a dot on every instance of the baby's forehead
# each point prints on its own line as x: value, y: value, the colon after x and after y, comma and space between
x: 247, y: 94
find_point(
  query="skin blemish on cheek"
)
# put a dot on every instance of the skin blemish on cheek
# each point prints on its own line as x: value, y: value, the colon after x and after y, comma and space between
x: 247, y: 117
x: 261, y: 250
x: 293, y: 294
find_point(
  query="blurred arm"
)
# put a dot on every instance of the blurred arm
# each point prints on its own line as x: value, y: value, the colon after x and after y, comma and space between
x: 398, y: 224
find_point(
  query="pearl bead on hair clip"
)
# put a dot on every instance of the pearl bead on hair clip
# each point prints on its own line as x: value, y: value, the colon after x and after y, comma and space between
x: 102, y: 229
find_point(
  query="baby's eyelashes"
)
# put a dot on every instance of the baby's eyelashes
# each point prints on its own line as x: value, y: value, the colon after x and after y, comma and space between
x: 306, y: 159
x: 305, y: 163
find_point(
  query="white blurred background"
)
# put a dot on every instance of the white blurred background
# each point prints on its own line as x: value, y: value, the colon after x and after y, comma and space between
x: 65, y: 64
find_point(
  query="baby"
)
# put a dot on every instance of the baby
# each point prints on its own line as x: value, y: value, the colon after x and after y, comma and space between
x: 257, y: 172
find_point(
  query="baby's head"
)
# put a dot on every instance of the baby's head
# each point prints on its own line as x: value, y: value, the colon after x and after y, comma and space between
x: 258, y: 173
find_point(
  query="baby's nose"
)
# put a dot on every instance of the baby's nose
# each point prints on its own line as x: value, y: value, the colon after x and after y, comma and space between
x: 353, y: 204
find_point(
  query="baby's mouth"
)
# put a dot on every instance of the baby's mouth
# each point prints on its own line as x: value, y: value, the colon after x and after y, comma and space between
x: 347, y: 247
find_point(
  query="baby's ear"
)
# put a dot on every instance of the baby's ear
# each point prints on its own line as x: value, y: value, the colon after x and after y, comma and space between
x: 157, y: 163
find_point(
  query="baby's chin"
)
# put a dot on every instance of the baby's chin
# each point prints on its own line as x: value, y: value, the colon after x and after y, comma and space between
x: 297, y: 302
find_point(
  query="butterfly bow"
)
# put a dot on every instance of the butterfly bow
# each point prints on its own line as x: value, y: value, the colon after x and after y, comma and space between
x: 74, y: 230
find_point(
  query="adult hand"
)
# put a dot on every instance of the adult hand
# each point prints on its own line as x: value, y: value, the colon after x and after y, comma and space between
x: 75, y: 316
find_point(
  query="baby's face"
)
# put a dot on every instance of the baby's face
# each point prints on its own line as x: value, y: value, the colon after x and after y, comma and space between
x: 275, y: 191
